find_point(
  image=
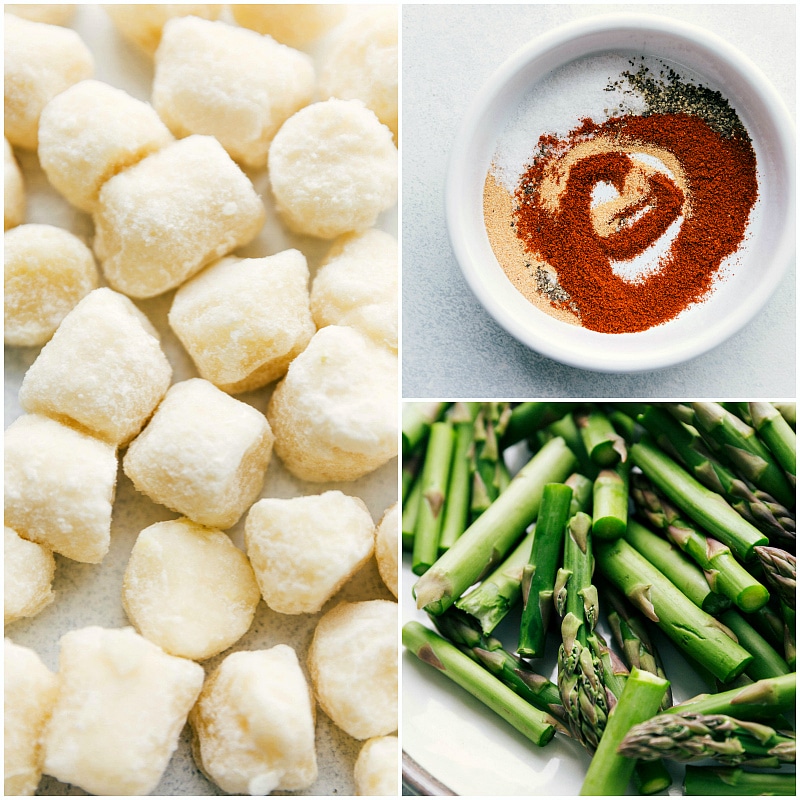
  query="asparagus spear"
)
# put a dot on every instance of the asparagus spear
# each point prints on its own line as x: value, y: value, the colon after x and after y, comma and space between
x: 456, y: 512
x: 491, y: 536
x: 788, y: 411
x: 690, y: 737
x: 675, y: 566
x: 725, y: 575
x: 780, y: 569
x: 764, y: 699
x: 501, y: 590
x: 604, y: 445
x: 410, y: 513
x: 610, y: 508
x: 733, y: 781
x: 609, y: 772
x: 700, y: 504
x: 778, y: 435
x: 568, y: 431
x: 742, y: 447
x: 417, y: 420
x: 488, y: 651
x: 490, y: 424
x: 527, y: 418
x: 429, y: 647
x: 694, y: 631
x: 686, y: 445
x: 435, y: 476
x: 539, y: 574
x: 766, y: 663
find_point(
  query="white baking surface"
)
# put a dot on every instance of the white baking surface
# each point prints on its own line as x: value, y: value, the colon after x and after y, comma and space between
x: 451, y: 345
x: 90, y: 594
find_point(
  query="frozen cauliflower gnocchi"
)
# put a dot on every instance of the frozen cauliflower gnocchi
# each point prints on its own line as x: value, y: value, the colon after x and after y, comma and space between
x: 103, y: 370
x: 386, y: 541
x: 40, y: 61
x: 28, y: 570
x: 46, y: 272
x: 359, y: 695
x: 92, y: 131
x: 377, y: 767
x: 304, y: 549
x: 228, y: 82
x: 59, y: 487
x: 254, y: 724
x: 143, y: 23
x: 204, y: 454
x: 356, y: 285
x: 294, y: 24
x: 162, y: 220
x: 189, y: 589
x: 333, y: 169
x: 362, y: 62
x: 334, y: 415
x: 244, y: 320
x: 29, y: 693
x: 121, y: 704
x: 52, y: 13
x: 13, y: 189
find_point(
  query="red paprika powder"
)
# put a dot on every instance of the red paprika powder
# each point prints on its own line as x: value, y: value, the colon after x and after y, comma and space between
x: 714, y: 203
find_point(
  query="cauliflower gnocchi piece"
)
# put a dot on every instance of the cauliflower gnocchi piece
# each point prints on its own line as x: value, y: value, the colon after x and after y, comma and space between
x: 359, y: 695
x: 28, y: 570
x: 121, y: 705
x: 29, y: 693
x: 47, y: 271
x: 356, y: 285
x: 52, y: 14
x: 189, y: 589
x: 13, y: 189
x: 303, y: 550
x: 162, y: 220
x: 362, y: 63
x: 254, y: 724
x: 334, y: 415
x: 203, y: 454
x: 293, y: 24
x: 386, y: 540
x: 333, y: 169
x: 143, y: 23
x: 228, y: 82
x: 243, y: 321
x: 103, y: 370
x: 377, y: 767
x: 92, y: 131
x: 59, y: 487
x: 40, y: 62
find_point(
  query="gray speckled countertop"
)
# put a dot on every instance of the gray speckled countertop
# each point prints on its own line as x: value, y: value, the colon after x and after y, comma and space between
x: 451, y: 346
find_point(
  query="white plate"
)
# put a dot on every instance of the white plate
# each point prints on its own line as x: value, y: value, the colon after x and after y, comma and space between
x: 757, y: 268
x: 90, y: 594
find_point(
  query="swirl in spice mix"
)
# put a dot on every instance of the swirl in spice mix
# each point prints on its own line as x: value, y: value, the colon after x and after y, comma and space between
x: 670, y: 188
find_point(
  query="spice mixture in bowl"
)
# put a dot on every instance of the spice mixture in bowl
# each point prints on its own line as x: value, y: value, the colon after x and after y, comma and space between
x: 621, y: 195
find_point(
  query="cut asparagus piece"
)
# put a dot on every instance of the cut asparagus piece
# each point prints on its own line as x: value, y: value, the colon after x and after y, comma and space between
x: 527, y: 418
x: 539, y: 574
x: 610, y: 508
x: 671, y: 561
x: 777, y: 434
x: 766, y: 663
x: 416, y: 423
x: 435, y: 476
x: 735, y: 781
x: 764, y: 699
x: 410, y: 513
x: 692, y: 630
x: 706, y: 508
x: 610, y: 772
x: 690, y: 737
x: 723, y: 572
x: 432, y: 649
x: 603, y: 444
x: 491, y: 536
